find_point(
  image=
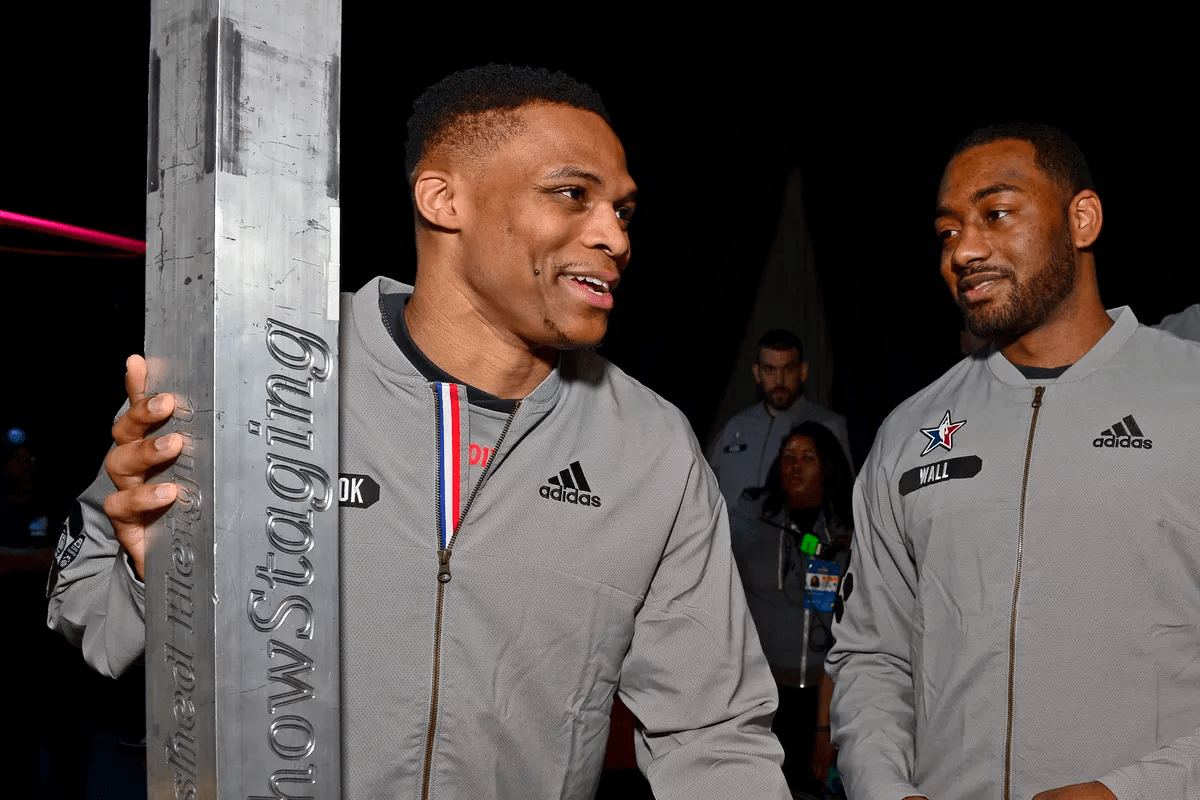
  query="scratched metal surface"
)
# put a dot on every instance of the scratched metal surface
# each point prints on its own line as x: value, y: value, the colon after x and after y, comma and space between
x: 241, y: 324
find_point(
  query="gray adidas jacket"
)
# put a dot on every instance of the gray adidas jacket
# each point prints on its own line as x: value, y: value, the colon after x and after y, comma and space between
x: 1024, y: 600
x: 553, y: 606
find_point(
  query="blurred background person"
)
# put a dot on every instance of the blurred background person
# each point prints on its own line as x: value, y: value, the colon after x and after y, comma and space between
x: 741, y: 455
x: 801, y: 513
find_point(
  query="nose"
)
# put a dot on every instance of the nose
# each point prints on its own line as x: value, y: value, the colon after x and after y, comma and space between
x: 971, y: 246
x: 606, y: 232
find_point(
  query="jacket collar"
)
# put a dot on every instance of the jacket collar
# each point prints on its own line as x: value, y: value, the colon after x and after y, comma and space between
x: 378, y: 341
x: 1124, y: 324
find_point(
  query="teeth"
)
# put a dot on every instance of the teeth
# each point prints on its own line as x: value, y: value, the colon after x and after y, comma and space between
x: 596, y: 281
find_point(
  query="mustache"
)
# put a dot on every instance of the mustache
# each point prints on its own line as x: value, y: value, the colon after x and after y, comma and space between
x: 1000, y: 270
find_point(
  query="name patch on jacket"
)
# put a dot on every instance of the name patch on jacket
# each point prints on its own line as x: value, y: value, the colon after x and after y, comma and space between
x: 357, y: 491
x: 69, y: 543
x: 948, y: 470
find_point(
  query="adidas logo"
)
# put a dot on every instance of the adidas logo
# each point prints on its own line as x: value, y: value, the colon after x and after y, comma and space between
x: 570, y: 486
x: 1125, y: 433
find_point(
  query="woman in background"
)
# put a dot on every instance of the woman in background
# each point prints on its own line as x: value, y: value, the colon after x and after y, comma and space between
x: 804, y: 507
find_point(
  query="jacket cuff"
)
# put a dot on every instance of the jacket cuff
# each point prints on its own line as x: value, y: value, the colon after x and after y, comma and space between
x: 137, y: 589
x: 897, y: 791
x: 1123, y: 786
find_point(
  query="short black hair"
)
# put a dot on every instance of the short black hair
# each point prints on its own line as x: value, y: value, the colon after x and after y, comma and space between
x: 1055, y: 153
x: 779, y: 339
x: 456, y: 109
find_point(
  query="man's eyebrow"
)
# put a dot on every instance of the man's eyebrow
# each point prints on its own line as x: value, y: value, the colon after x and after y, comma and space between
x: 995, y: 188
x: 578, y: 173
x: 987, y: 191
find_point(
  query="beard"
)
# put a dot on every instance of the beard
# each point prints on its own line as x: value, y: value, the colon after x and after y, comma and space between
x: 780, y: 398
x: 1029, y: 304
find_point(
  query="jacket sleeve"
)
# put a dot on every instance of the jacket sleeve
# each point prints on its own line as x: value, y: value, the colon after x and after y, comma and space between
x: 1170, y: 771
x: 695, y: 675
x: 714, y: 451
x: 870, y: 663
x: 96, y: 600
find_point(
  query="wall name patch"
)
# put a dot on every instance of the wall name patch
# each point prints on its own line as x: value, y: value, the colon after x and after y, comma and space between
x: 939, y: 471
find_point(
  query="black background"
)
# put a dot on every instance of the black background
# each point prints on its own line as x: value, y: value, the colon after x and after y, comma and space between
x: 867, y: 107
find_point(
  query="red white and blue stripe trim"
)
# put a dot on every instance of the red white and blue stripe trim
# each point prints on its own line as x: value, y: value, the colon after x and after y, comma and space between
x: 449, y: 407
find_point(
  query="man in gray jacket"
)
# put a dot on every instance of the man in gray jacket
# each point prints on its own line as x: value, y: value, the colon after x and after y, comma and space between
x: 742, y: 453
x: 590, y: 543
x: 1021, y: 615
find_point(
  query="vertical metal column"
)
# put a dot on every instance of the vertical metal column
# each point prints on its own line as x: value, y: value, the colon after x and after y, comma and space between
x: 242, y: 627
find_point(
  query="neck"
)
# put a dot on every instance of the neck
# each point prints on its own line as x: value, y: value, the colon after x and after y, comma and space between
x: 775, y: 412
x: 1067, y: 335
x: 805, y: 518
x: 452, y: 333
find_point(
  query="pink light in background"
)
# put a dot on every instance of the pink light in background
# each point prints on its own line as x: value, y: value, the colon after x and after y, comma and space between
x: 124, y: 243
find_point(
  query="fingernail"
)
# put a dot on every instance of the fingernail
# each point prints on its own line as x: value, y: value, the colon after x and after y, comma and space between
x: 158, y: 404
x: 164, y: 442
x: 163, y: 491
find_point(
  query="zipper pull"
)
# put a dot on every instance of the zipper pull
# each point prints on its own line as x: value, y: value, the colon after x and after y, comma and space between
x: 444, y: 565
x: 1037, y: 396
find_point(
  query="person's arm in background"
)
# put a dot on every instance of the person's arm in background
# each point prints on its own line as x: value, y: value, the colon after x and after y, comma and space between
x: 823, y: 749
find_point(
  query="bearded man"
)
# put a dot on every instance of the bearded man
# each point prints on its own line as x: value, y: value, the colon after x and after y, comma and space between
x: 742, y: 453
x: 1020, y: 617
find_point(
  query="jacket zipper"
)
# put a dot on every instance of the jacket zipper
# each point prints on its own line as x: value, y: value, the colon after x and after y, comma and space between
x: 763, y: 454
x: 443, y: 577
x: 1012, y: 625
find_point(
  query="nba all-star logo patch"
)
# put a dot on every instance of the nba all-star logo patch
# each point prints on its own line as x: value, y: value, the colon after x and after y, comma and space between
x: 942, y: 434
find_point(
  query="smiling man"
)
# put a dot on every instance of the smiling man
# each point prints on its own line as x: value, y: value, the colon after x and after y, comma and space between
x: 587, y: 552
x: 1020, y: 620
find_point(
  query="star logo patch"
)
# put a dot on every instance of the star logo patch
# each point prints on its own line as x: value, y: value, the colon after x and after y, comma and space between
x: 941, y: 435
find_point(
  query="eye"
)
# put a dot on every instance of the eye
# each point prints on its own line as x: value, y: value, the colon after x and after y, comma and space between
x: 625, y: 213
x: 998, y: 214
x: 946, y: 235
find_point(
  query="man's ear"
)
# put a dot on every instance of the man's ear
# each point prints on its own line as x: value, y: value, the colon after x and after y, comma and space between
x: 436, y: 201
x: 1085, y: 216
x: 754, y: 372
x: 804, y: 372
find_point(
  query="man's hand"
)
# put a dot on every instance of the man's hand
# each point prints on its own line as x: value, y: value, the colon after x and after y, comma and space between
x: 136, y: 503
x: 1078, y: 791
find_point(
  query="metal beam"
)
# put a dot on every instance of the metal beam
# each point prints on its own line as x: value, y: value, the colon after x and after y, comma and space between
x: 242, y: 628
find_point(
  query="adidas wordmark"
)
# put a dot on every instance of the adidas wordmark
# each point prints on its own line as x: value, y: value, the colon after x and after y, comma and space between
x: 1125, y: 433
x: 570, y: 486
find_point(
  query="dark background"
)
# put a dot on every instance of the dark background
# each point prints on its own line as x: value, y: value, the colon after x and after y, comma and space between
x: 866, y: 107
